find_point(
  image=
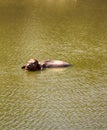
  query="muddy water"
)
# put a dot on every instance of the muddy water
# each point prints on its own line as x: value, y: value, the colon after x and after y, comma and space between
x: 73, y: 98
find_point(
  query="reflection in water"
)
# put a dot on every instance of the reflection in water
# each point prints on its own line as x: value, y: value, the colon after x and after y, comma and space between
x: 57, y: 99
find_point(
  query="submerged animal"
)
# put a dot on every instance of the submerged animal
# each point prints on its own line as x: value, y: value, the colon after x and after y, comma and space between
x: 34, y: 65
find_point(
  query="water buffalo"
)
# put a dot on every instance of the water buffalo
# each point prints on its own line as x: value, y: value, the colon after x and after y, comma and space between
x: 34, y: 65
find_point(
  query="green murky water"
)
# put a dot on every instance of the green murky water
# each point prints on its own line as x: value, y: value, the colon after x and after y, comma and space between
x: 73, y: 98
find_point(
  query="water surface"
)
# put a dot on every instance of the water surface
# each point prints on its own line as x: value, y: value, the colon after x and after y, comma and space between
x: 73, y: 98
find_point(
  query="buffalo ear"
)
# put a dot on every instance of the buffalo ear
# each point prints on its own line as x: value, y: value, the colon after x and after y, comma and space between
x: 23, y: 67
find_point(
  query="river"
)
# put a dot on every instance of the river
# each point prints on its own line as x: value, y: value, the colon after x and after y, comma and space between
x: 73, y: 98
